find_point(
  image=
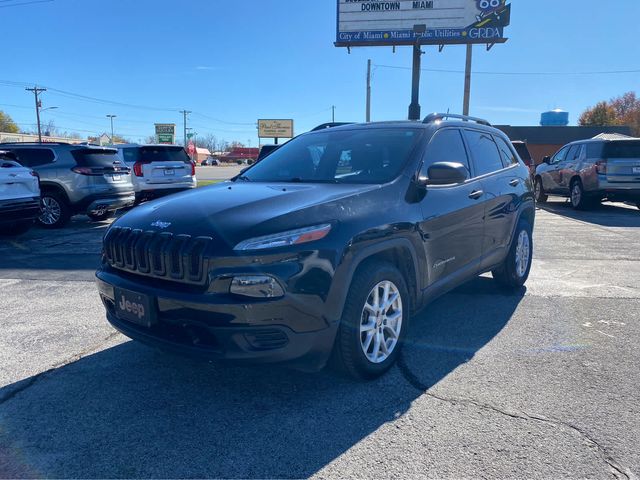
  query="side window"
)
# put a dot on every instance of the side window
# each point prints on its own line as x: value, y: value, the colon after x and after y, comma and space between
x: 508, y: 156
x: 594, y: 150
x: 34, y: 157
x: 445, y: 146
x: 559, y: 157
x: 574, y: 152
x: 484, y: 151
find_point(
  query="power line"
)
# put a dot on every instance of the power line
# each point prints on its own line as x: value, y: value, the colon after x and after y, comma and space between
x: 435, y: 70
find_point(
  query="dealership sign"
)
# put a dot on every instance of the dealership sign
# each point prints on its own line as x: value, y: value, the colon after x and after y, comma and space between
x: 428, y: 22
x: 275, y: 128
x: 166, y: 133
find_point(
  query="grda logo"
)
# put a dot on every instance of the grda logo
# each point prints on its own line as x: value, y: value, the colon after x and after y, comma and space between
x: 131, y: 307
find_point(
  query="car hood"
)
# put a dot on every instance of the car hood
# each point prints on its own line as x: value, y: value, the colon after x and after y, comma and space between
x: 232, y: 211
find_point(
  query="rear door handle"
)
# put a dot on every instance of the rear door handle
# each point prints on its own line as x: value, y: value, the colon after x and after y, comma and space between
x: 515, y: 182
x: 476, y: 194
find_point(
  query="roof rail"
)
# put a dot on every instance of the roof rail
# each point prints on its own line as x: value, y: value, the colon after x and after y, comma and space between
x: 330, y: 125
x: 434, y: 117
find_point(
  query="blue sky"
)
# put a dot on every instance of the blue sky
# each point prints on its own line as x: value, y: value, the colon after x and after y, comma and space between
x: 232, y: 62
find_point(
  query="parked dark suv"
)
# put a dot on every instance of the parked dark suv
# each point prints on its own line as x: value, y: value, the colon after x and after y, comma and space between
x: 325, y: 248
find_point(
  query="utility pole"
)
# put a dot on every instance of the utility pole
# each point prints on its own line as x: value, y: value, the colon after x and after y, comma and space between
x: 368, y: 117
x: 467, y: 80
x: 185, y: 113
x: 36, y: 91
x: 111, y: 117
x: 333, y: 113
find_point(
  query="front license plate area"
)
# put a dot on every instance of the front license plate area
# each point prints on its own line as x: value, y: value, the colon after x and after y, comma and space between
x: 134, y: 307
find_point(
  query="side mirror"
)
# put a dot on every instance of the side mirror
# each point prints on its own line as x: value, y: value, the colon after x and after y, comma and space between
x: 445, y: 173
x: 547, y: 160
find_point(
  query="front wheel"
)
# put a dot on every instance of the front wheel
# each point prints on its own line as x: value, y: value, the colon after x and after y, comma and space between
x: 541, y: 197
x: 514, y: 271
x: 374, y: 322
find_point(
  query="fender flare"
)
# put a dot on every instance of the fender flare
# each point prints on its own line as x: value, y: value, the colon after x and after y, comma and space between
x: 352, y: 260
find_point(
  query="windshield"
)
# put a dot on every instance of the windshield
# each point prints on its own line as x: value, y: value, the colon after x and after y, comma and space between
x: 342, y: 156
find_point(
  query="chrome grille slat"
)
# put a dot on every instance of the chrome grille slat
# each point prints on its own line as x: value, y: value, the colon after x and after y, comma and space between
x: 180, y: 258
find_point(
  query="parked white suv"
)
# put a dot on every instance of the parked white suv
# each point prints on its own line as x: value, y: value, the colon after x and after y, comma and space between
x: 19, y: 195
x: 158, y: 170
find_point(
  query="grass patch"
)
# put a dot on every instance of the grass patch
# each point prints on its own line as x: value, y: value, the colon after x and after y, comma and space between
x: 206, y: 183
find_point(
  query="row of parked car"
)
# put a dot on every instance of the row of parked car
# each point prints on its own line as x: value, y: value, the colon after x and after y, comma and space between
x: 50, y: 182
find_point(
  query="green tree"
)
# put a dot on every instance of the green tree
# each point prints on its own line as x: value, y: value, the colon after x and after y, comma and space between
x: 7, y: 124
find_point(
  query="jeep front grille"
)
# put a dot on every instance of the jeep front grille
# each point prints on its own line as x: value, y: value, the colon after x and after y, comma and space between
x: 180, y: 258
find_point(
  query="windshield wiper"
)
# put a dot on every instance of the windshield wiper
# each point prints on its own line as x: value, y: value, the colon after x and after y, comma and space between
x: 244, y: 178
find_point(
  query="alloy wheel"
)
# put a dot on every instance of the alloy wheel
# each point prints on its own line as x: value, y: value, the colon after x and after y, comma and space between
x: 522, y: 253
x: 576, y: 194
x: 381, y: 322
x: 51, y: 211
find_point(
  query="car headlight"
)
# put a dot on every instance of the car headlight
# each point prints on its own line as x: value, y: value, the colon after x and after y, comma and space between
x: 291, y: 237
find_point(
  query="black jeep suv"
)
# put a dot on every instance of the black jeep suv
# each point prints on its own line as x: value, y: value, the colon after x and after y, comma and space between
x: 325, y: 248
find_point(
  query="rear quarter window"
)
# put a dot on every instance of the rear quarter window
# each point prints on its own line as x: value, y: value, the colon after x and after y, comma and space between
x: 594, y: 150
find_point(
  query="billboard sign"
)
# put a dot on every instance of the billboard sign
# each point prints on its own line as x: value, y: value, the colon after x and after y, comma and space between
x: 166, y: 133
x: 428, y: 22
x: 275, y: 128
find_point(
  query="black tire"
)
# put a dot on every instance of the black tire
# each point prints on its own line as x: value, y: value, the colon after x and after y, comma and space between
x: 55, y: 210
x: 541, y: 197
x: 577, y: 196
x: 511, y: 274
x: 348, y: 352
x: 99, y: 218
x: 16, y: 228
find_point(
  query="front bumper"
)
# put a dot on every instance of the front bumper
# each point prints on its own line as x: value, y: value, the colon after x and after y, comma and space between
x: 222, y: 327
x: 22, y: 209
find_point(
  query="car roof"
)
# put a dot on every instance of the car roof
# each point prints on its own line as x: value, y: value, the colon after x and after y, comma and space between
x: 432, y: 125
x: 53, y: 145
x: 139, y: 145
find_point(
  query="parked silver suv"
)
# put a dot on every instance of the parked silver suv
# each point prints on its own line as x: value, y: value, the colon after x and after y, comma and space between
x: 76, y: 179
x: 591, y: 171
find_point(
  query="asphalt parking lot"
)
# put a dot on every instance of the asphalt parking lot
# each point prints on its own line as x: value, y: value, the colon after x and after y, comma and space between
x: 218, y: 172
x: 539, y: 384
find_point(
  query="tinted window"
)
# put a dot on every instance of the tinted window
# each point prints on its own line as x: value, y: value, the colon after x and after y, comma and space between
x: 34, y: 157
x: 594, y: 150
x: 163, y: 154
x: 622, y: 150
x: 506, y: 153
x: 559, y: 157
x: 129, y: 155
x: 484, y: 151
x: 574, y: 153
x: 95, y: 157
x: 445, y: 146
x: 523, y: 152
x: 372, y: 155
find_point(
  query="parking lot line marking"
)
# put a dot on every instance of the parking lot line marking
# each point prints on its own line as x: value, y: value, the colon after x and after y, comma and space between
x: 606, y: 334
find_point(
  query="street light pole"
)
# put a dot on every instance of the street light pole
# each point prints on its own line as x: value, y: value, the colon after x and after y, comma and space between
x: 111, y: 117
x: 333, y: 113
x: 185, y: 113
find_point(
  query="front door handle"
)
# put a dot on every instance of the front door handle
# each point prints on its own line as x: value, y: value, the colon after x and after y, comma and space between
x: 476, y: 194
x: 515, y: 182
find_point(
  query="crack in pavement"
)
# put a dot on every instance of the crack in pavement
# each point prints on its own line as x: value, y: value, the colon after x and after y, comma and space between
x: 72, y: 359
x: 617, y: 470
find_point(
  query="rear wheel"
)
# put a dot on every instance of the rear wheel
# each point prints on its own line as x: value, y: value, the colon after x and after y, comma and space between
x: 374, y: 322
x: 514, y: 271
x: 55, y: 211
x: 541, y: 197
x: 579, y: 199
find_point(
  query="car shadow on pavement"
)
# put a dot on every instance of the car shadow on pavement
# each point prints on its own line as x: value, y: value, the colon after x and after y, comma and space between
x: 130, y: 411
x: 606, y: 214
